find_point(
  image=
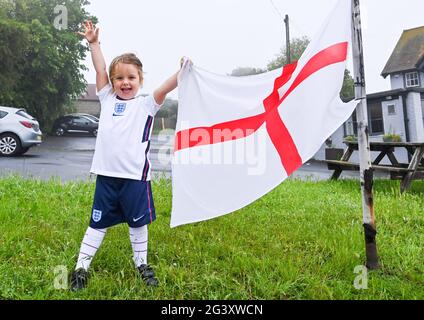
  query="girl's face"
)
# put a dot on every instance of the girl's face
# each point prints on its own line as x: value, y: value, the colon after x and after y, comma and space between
x: 126, y: 80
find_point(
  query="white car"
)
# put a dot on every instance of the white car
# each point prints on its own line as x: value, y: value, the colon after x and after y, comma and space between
x: 18, y: 131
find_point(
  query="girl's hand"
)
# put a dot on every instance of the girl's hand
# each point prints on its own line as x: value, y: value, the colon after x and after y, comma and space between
x: 185, y: 60
x: 91, y: 33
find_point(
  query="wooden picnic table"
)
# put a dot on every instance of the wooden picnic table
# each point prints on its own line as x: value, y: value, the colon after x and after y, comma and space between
x: 406, y: 172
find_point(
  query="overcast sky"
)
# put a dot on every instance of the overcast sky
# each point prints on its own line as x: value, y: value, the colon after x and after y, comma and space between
x: 221, y: 35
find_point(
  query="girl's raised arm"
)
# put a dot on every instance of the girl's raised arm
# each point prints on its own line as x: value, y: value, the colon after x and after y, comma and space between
x: 170, y: 84
x: 91, y: 34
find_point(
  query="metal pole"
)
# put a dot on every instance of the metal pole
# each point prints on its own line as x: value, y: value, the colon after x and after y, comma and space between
x: 288, y: 54
x: 363, y: 141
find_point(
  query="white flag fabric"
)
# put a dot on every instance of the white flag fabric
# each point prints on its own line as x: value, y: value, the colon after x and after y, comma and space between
x: 239, y: 137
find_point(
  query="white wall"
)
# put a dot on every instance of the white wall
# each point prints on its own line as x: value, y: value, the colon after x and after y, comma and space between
x: 394, y: 123
x: 415, y: 117
x: 422, y: 79
x: 422, y: 106
x: 320, y: 155
x: 397, y: 81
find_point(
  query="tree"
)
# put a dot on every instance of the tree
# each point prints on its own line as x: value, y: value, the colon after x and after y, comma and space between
x: 166, y: 118
x: 246, y: 71
x: 348, y: 89
x: 14, y: 39
x: 41, y: 66
x: 297, y: 47
x: 169, y: 109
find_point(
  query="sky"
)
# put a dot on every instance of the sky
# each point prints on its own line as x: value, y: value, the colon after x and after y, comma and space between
x: 221, y: 35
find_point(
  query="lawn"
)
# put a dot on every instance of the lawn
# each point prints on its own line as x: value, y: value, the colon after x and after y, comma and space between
x: 301, y: 241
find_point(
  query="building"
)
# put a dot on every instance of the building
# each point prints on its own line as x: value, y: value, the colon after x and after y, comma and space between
x: 400, y: 110
x: 89, y: 102
x: 165, y: 119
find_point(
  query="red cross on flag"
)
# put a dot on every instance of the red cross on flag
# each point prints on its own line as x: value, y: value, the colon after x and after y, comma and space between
x: 240, y: 137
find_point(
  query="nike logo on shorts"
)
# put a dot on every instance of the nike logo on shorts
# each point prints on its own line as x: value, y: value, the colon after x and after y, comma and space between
x: 135, y: 220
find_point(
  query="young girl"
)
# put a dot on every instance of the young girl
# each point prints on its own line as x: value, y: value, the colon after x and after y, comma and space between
x: 121, y: 158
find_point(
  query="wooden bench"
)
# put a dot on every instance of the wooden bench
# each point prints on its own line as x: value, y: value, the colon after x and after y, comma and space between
x: 406, y: 172
x: 346, y: 166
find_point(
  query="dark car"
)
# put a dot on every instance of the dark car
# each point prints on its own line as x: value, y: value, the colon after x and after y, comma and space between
x: 76, y: 123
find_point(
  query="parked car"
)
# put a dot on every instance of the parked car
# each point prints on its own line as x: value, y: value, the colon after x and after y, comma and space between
x: 76, y: 123
x: 94, y: 118
x: 18, y: 131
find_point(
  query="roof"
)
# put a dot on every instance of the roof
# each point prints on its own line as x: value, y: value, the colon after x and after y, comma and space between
x: 408, y: 53
x: 8, y: 109
x: 90, y: 93
x: 394, y: 92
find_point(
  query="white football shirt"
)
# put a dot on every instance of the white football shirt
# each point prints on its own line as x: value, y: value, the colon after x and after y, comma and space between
x: 123, y: 139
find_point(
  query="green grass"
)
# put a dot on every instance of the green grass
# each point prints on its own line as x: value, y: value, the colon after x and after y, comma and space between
x: 301, y: 241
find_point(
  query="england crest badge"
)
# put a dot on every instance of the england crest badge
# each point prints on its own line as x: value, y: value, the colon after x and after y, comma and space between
x: 119, y: 109
x: 97, y: 215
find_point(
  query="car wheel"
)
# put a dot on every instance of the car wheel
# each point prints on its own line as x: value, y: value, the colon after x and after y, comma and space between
x: 60, y: 132
x: 10, y: 144
x: 94, y: 132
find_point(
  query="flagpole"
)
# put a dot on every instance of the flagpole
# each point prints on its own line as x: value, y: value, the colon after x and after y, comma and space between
x: 366, y: 172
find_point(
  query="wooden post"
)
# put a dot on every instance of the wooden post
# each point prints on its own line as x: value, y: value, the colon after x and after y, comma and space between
x: 288, y: 53
x: 366, y: 172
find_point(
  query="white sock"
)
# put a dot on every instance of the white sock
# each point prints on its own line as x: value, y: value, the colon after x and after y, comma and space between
x: 139, y: 241
x: 90, y: 244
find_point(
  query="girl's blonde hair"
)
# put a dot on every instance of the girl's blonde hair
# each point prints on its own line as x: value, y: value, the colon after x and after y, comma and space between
x: 127, y: 58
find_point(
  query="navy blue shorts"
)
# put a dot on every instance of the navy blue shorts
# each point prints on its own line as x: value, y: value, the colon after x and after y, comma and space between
x: 119, y: 200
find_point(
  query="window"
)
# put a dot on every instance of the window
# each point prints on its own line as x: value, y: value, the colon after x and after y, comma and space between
x: 3, y: 114
x: 412, y: 79
x: 80, y: 121
x: 391, y: 110
x: 22, y: 113
x: 92, y: 118
x: 348, y: 127
x: 375, y: 116
x: 375, y: 119
x: 89, y: 119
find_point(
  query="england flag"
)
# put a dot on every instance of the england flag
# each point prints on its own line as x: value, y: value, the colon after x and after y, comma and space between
x: 240, y: 137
